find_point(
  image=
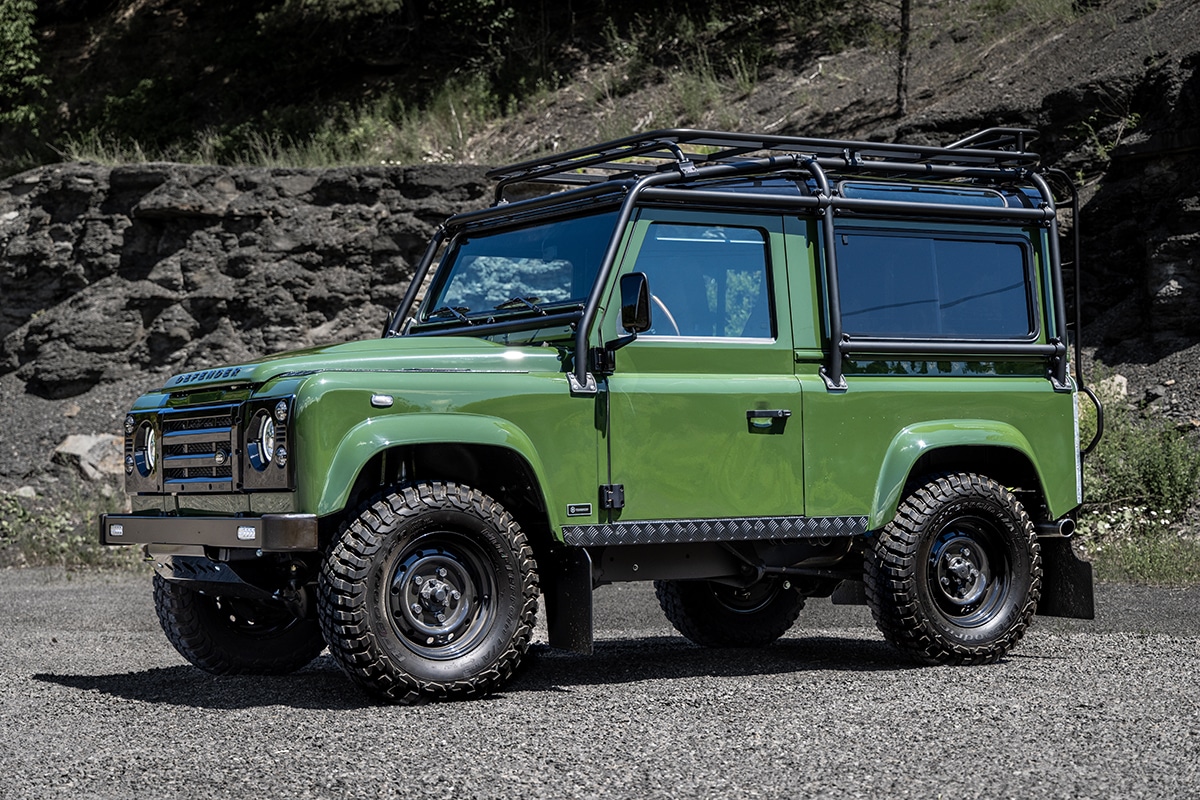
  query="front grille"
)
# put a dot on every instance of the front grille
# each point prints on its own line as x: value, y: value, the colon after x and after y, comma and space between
x: 200, y: 448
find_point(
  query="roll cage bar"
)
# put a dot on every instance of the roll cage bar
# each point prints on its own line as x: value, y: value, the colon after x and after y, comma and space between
x: 655, y: 166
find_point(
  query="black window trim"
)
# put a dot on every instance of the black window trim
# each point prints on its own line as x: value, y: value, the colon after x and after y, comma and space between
x: 953, y: 345
x: 769, y: 276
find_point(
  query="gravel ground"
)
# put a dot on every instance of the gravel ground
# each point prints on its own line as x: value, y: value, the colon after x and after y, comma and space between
x: 95, y: 703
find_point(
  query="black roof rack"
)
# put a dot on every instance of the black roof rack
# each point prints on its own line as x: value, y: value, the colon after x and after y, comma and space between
x: 657, y: 151
x: 654, y: 166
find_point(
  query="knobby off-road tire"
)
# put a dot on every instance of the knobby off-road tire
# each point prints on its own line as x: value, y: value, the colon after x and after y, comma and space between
x: 715, y: 615
x: 232, y: 635
x: 430, y: 593
x: 956, y: 576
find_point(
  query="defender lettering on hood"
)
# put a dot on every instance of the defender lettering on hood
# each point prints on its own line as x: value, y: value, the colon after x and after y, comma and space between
x: 205, y: 375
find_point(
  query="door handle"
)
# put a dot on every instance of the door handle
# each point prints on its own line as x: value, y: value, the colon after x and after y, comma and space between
x: 768, y: 413
x: 767, y: 420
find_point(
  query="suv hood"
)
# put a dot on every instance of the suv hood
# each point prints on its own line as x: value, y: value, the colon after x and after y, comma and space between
x: 396, y: 354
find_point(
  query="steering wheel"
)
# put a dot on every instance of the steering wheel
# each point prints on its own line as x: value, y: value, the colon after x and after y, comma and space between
x: 667, y: 311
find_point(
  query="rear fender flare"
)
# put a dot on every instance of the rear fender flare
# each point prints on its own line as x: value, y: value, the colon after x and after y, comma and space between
x: 914, y: 441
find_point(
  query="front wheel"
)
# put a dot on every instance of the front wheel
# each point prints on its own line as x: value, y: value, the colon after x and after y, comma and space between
x: 233, y: 635
x: 956, y: 576
x: 430, y: 593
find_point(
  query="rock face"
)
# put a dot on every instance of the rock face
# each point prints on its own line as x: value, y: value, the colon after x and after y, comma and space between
x: 1142, y: 220
x: 107, y: 273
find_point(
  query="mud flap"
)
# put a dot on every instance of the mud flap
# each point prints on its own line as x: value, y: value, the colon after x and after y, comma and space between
x: 565, y: 574
x: 1066, y: 582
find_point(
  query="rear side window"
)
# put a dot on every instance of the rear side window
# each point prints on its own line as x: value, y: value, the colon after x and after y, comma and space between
x: 905, y: 285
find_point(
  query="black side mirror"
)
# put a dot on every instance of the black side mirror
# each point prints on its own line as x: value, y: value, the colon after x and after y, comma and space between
x: 635, y: 318
x: 635, y: 302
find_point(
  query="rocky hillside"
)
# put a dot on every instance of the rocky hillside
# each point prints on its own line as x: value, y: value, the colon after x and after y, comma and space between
x: 113, y: 276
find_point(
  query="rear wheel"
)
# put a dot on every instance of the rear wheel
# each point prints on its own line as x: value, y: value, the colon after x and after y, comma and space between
x: 956, y: 576
x: 233, y: 635
x: 430, y: 593
x: 715, y: 615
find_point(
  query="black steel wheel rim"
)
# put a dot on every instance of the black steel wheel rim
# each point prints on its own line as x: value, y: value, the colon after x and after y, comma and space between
x: 439, y: 595
x: 968, y: 571
x: 746, y: 599
x: 253, y: 618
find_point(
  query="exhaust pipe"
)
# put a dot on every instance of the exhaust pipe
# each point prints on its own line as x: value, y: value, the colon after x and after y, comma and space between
x: 1063, y: 529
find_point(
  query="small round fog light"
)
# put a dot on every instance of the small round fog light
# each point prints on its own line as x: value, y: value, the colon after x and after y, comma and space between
x: 281, y: 411
x: 129, y: 465
x: 281, y: 456
x: 130, y: 424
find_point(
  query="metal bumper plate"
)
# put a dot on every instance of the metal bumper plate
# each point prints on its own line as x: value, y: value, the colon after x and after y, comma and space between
x: 269, y: 533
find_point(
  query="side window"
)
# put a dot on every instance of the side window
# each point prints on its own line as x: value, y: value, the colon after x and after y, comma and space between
x: 707, y: 281
x: 906, y: 285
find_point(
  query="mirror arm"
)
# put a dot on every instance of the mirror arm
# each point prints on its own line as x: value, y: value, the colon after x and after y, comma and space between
x: 604, y: 359
x: 617, y: 344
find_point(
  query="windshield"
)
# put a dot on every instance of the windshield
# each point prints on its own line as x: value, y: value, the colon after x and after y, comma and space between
x: 521, y: 271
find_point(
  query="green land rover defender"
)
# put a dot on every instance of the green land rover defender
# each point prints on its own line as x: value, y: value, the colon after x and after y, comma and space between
x: 751, y: 368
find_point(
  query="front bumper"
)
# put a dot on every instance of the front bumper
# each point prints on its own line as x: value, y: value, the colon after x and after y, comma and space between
x: 270, y: 533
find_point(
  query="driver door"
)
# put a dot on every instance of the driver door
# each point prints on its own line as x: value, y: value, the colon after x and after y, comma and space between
x: 705, y: 407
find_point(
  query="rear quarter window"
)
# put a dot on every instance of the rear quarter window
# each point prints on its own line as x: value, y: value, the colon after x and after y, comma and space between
x: 912, y: 285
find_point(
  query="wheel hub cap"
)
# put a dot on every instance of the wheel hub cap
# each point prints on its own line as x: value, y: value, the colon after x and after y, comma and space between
x: 430, y: 595
x: 962, y: 571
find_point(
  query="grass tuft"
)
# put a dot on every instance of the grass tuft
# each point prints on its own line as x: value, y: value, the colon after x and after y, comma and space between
x: 1142, y: 519
x: 45, y: 532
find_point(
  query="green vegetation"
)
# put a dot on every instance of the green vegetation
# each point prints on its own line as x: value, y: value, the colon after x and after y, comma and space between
x: 332, y: 82
x: 38, y: 532
x: 22, y: 86
x: 1142, y: 519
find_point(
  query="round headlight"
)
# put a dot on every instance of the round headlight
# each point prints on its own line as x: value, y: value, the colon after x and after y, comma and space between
x: 266, y: 440
x: 151, y: 449
x: 145, y: 449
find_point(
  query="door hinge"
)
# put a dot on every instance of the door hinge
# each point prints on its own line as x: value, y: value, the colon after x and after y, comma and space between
x: 604, y: 360
x: 612, y: 495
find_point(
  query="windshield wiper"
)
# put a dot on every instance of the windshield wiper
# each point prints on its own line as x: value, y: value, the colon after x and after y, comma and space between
x: 516, y: 302
x: 451, y: 311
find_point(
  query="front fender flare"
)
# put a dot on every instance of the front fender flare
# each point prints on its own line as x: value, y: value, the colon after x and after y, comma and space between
x: 331, y: 485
